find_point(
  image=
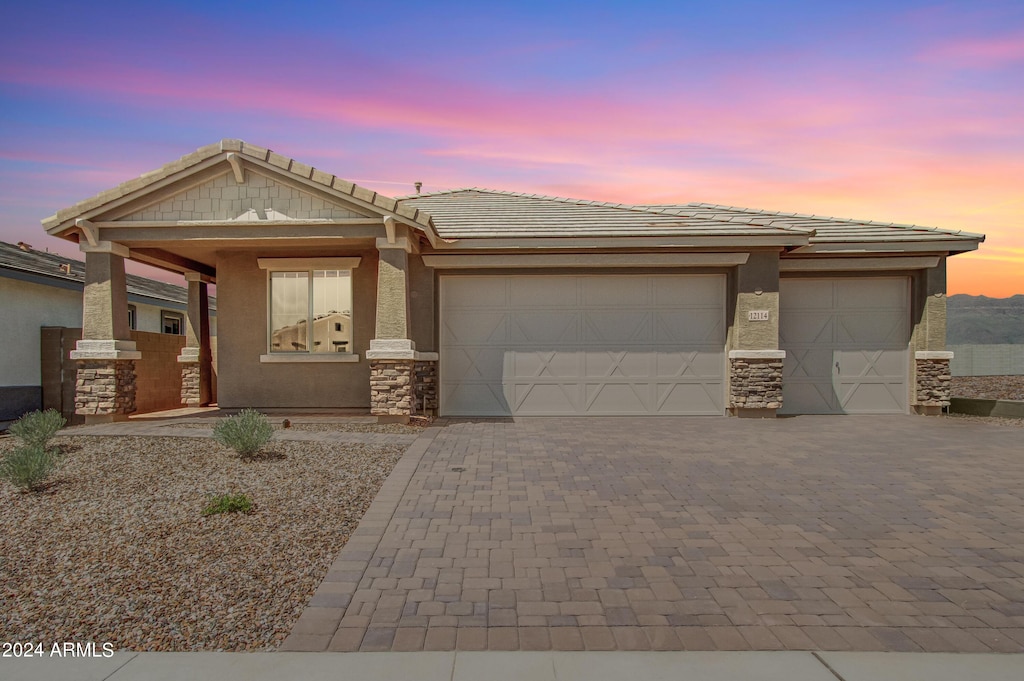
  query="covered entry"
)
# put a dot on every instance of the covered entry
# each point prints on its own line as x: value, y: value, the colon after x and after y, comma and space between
x: 847, y: 345
x: 554, y: 345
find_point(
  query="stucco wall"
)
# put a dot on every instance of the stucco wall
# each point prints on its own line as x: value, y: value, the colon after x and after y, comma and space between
x: 757, y: 289
x: 24, y: 307
x: 242, y: 337
x: 421, y: 304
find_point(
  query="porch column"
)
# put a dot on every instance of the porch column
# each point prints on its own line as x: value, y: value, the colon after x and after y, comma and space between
x: 755, y: 361
x: 106, y: 355
x: 195, y: 358
x: 932, y: 378
x: 401, y: 379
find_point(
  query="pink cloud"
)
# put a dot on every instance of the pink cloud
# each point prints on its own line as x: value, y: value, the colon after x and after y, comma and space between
x: 978, y: 52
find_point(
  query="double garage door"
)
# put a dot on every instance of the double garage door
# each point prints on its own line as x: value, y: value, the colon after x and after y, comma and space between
x: 539, y: 345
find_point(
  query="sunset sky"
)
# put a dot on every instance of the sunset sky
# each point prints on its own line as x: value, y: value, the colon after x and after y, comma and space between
x: 909, y: 112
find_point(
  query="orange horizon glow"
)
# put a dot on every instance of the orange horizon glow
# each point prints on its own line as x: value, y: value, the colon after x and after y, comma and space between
x: 910, y: 113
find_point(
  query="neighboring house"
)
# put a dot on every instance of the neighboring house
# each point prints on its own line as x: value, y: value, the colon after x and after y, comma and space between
x: 485, y: 303
x: 40, y: 289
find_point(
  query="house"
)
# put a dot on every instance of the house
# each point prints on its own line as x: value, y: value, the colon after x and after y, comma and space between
x: 39, y: 289
x: 476, y: 302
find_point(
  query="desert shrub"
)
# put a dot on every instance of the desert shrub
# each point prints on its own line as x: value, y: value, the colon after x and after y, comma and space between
x: 228, y: 503
x: 28, y: 466
x: 36, y: 429
x: 246, y: 432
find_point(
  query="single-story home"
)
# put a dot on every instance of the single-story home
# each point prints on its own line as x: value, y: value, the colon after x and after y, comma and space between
x: 42, y: 289
x: 476, y: 302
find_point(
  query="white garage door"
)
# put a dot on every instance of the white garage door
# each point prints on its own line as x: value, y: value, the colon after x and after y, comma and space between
x: 847, y: 345
x: 582, y: 345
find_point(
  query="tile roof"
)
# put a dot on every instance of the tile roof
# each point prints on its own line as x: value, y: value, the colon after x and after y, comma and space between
x: 483, y: 213
x: 826, y: 229
x: 49, y: 265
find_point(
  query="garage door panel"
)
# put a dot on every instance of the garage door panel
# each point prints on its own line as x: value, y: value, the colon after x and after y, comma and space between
x: 486, y: 293
x: 807, y: 362
x: 693, y: 398
x: 474, y: 327
x: 538, y: 292
x: 555, y: 327
x: 687, y: 327
x: 588, y: 344
x: 807, y: 328
x: 598, y: 292
x: 540, y: 399
x: 872, y: 362
x: 621, y: 363
x: 476, y: 399
x: 617, y: 326
x: 809, y: 397
x: 868, y: 397
x: 549, y: 364
x: 618, y: 398
x: 688, y: 292
x: 880, y: 327
x: 475, y: 363
x: 870, y: 293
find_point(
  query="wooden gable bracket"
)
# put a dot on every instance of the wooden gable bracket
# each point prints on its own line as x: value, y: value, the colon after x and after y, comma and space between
x: 236, y: 166
x: 89, y: 231
x: 389, y: 229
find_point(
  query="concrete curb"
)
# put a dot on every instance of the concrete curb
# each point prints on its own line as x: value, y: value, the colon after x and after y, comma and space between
x: 1012, y: 409
x: 536, y: 666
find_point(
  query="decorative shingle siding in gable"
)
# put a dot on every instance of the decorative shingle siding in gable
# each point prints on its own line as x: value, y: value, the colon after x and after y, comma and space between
x: 223, y: 199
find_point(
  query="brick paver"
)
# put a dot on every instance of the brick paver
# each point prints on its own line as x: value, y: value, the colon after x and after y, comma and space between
x: 810, y: 533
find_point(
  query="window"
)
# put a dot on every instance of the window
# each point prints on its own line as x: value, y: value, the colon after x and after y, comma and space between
x: 133, y: 318
x: 172, y: 322
x: 310, y: 309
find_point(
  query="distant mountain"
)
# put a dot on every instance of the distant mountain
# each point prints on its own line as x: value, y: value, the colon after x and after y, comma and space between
x: 984, y: 320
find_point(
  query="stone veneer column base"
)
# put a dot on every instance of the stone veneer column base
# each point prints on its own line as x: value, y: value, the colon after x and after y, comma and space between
x: 105, y: 389
x: 392, y: 389
x: 426, y: 386
x: 403, y: 382
x: 190, y: 382
x: 933, y: 382
x: 755, y: 382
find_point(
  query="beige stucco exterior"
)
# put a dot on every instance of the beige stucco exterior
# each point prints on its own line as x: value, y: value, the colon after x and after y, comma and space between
x: 245, y: 381
x: 215, y: 214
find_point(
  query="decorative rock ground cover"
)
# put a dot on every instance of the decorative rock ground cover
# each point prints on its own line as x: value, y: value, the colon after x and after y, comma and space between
x: 989, y: 387
x: 117, y: 550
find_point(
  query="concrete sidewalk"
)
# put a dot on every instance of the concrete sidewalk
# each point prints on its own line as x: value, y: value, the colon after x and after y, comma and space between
x: 535, y: 666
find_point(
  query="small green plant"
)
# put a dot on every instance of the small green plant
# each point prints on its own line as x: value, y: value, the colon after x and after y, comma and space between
x: 36, y: 429
x: 28, y: 466
x: 228, y: 503
x: 246, y: 433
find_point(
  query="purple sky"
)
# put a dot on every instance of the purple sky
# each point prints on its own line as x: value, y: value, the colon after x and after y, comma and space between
x: 907, y: 112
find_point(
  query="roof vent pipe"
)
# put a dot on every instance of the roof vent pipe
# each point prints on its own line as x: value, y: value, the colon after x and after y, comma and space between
x: 28, y: 247
x: 418, y: 185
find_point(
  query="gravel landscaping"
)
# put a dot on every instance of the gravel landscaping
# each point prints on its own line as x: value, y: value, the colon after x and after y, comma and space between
x: 117, y: 549
x: 989, y: 387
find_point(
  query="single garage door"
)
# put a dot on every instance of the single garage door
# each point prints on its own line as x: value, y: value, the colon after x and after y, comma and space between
x: 532, y: 345
x: 847, y: 345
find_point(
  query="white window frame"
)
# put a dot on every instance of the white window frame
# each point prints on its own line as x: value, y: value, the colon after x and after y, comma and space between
x: 306, y: 265
x: 172, y: 314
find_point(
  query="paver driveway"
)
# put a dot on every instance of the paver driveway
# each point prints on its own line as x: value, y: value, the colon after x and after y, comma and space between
x: 828, y: 533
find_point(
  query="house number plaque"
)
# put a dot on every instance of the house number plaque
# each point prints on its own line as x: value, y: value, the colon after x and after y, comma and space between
x: 757, y: 315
